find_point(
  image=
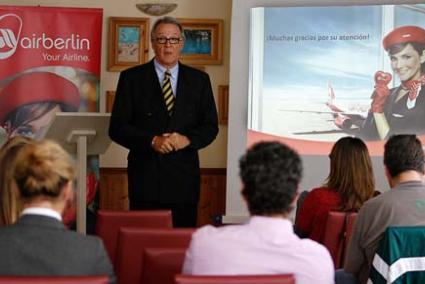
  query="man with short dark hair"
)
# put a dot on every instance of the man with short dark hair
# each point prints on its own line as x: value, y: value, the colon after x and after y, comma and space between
x: 400, y: 206
x: 266, y: 244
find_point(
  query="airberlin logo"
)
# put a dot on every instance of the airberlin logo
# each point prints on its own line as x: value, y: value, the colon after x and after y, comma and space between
x: 10, y: 30
x: 10, y: 33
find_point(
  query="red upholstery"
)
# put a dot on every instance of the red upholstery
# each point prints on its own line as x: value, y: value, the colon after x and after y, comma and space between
x: 337, y: 235
x: 132, y: 242
x: 162, y: 264
x: 54, y: 279
x: 236, y: 279
x: 108, y: 224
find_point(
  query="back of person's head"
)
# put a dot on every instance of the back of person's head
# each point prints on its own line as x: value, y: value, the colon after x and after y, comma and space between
x: 403, y: 153
x: 270, y: 172
x: 42, y: 169
x: 9, y: 203
x: 351, y: 173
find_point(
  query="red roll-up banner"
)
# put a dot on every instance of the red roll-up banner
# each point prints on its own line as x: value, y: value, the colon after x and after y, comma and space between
x: 49, y: 61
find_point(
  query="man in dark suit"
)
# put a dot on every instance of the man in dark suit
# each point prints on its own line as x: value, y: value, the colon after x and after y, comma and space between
x: 38, y: 244
x: 164, y: 112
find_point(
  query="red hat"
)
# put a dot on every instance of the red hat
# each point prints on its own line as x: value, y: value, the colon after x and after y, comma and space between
x: 37, y: 87
x: 404, y: 34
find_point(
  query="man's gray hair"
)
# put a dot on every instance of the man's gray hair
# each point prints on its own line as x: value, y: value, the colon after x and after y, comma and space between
x: 166, y: 20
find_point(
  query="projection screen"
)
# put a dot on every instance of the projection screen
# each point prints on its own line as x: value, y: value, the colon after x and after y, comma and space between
x: 302, y: 72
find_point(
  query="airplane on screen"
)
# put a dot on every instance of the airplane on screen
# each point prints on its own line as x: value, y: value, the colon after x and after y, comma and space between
x: 347, y: 121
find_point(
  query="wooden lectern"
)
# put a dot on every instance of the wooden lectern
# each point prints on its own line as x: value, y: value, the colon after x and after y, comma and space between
x: 80, y: 133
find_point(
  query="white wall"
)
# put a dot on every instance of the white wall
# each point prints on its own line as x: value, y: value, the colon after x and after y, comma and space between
x: 214, y: 156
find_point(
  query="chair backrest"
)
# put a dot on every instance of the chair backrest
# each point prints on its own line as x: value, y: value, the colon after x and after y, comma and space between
x: 109, y: 221
x: 236, y: 279
x: 162, y: 264
x: 132, y: 242
x: 400, y: 257
x: 338, y: 230
x: 54, y: 279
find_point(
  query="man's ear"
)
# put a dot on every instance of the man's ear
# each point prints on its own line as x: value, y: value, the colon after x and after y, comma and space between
x: 181, y: 44
x: 297, y: 194
x: 294, y: 201
x: 422, y: 57
x: 68, y: 193
x: 388, y: 176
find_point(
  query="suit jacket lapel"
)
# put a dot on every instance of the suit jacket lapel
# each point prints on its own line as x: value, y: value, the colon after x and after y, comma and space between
x: 151, y: 79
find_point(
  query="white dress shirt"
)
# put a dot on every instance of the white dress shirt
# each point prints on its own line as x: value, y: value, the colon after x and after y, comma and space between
x: 160, y: 71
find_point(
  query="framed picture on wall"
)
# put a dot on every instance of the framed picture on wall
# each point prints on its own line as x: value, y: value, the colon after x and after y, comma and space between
x: 128, y: 42
x: 199, y: 67
x: 203, y: 41
x: 223, y: 104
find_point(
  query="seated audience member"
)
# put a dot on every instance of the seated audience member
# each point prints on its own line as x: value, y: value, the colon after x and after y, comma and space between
x: 38, y: 243
x: 10, y: 207
x: 404, y: 168
x: 349, y: 184
x: 266, y: 244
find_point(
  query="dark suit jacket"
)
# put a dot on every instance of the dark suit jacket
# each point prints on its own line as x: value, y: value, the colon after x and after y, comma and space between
x: 139, y: 113
x: 41, y: 245
x: 401, y: 120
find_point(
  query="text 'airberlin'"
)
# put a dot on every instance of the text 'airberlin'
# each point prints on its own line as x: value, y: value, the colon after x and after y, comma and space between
x: 72, y: 42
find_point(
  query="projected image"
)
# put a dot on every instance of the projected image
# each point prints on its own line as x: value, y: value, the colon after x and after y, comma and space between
x: 325, y: 72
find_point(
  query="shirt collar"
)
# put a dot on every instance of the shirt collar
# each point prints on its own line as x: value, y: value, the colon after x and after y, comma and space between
x: 161, y: 69
x: 273, y: 229
x: 410, y: 183
x: 265, y: 221
x: 42, y: 211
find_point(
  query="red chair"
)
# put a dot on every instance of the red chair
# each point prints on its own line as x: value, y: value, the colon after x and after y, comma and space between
x: 339, y: 226
x: 54, y: 280
x: 132, y: 242
x: 162, y: 264
x: 108, y: 224
x: 236, y: 279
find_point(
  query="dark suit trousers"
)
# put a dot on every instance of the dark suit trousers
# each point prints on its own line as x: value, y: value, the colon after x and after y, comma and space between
x: 184, y: 214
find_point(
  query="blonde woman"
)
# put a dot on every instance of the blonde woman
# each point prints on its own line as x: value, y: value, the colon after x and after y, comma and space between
x: 9, y: 204
x: 38, y: 243
x: 349, y: 184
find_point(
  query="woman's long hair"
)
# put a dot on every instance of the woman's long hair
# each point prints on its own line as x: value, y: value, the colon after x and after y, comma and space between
x: 351, y: 173
x: 10, y: 207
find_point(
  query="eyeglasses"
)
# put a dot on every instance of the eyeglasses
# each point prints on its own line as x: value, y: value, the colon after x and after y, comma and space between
x: 171, y: 40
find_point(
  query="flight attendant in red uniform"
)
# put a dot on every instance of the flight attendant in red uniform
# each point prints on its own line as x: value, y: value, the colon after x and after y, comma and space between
x: 400, y: 110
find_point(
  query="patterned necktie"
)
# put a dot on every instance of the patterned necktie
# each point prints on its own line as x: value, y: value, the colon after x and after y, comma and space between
x: 167, y: 92
x: 413, y: 86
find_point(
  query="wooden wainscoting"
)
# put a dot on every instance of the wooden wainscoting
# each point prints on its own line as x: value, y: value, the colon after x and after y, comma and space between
x: 212, y: 201
x: 113, y: 189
